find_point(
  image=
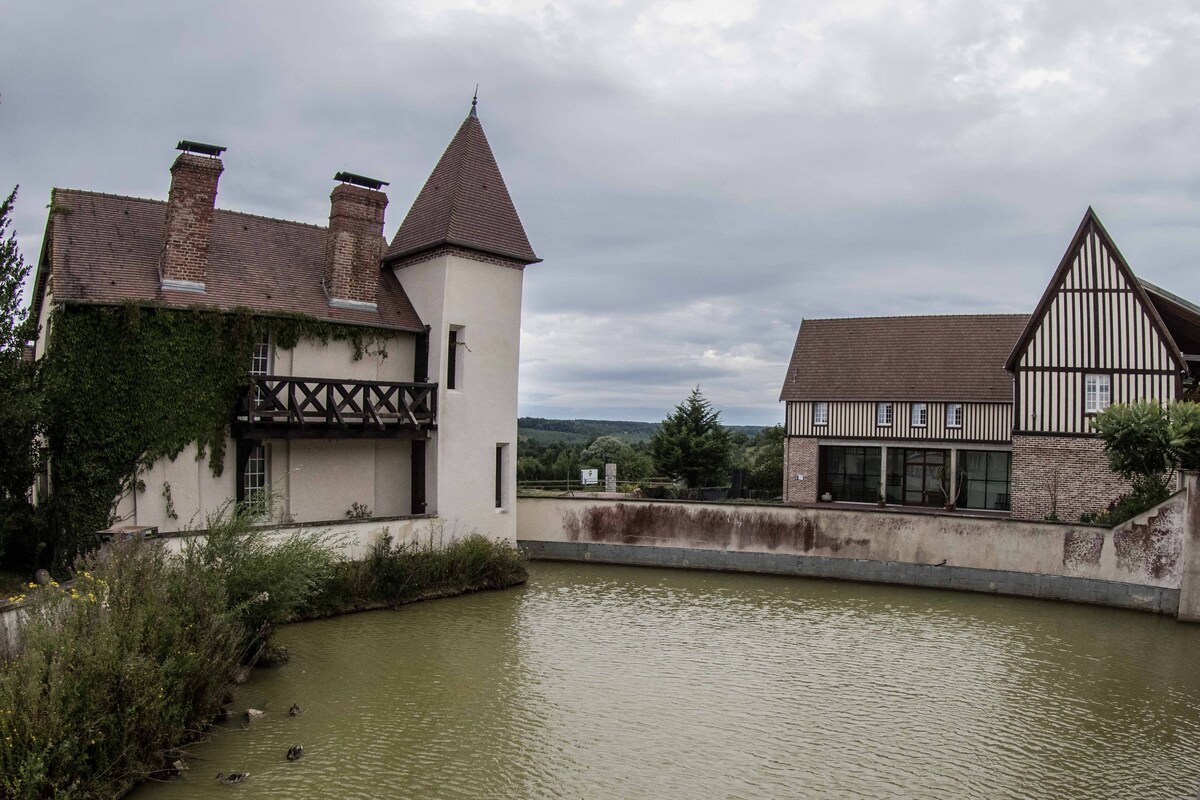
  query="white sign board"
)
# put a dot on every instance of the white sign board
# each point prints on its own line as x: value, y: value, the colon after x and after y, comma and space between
x: 589, y: 477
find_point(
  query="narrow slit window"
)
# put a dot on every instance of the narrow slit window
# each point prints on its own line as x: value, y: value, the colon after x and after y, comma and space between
x: 452, y: 360
x: 501, y: 460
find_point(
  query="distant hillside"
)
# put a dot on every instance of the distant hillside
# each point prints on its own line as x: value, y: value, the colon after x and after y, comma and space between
x: 582, y: 431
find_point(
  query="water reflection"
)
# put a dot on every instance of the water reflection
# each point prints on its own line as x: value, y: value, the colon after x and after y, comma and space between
x: 600, y: 681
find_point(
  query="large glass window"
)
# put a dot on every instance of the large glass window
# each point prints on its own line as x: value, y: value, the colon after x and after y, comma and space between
x: 851, y: 473
x: 1097, y: 393
x: 985, y: 476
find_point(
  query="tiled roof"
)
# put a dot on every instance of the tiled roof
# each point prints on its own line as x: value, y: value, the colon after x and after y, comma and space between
x: 958, y: 357
x: 464, y: 203
x: 106, y: 249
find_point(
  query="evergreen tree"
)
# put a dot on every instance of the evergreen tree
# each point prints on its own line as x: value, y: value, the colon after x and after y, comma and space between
x: 18, y: 399
x: 692, y: 445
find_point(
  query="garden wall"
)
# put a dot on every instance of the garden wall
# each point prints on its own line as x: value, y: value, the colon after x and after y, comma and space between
x: 1138, y: 564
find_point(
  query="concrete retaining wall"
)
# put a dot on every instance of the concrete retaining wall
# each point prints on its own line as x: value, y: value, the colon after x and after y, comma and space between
x: 1139, y: 564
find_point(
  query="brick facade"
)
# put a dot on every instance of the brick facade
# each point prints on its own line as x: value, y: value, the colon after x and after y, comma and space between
x: 189, y: 218
x: 800, y: 457
x: 1061, y: 476
x: 354, y: 244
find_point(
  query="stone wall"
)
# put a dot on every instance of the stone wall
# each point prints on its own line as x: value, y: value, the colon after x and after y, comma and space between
x: 801, y: 456
x: 1139, y: 564
x: 1061, y: 477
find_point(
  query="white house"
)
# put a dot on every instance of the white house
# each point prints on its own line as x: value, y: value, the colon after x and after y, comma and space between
x: 427, y: 430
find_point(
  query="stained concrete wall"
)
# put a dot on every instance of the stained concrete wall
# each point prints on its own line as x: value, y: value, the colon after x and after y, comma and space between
x: 1140, y: 563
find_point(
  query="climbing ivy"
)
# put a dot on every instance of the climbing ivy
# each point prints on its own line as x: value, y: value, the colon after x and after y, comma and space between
x: 125, y: 386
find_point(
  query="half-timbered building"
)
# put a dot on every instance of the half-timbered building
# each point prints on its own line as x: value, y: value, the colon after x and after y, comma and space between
x: 426, y: 428
x: 1098, y: 336
x: 989, y: 412
x: 911, y: 411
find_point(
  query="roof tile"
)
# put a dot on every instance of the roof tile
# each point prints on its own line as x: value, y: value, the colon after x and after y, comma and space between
x: 952, y: 357
x: 466, y: 203
x: 106, y: 249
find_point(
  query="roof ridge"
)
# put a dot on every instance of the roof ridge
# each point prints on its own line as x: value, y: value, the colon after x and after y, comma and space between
x: 992, y: 314
x: 271, y: 219
x: 111, y: 196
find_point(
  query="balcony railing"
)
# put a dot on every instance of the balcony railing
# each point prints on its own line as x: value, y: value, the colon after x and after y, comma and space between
x: 273, y: 406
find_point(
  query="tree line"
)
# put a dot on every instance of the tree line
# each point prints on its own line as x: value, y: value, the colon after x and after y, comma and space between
x: 690, y: 446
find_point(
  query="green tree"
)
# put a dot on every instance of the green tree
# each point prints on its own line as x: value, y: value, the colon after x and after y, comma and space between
x: 632, y: 465
x: 764, y: 461
x: 18, y: 400
x: 692, y: 445
x: 1145, y: 444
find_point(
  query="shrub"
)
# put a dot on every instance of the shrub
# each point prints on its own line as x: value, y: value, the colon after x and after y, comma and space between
x: 393, y: 574
x: 133, y: 659
x: 1146, y: 494
x: 267, y: 576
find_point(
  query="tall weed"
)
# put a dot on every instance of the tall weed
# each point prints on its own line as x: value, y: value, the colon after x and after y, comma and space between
x: 134, y: 659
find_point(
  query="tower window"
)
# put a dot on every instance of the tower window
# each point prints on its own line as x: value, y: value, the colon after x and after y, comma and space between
x: 454, y: 358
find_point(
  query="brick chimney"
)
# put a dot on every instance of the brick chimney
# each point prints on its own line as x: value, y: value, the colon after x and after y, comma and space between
x: 189, y: 220
x: 354, y: 244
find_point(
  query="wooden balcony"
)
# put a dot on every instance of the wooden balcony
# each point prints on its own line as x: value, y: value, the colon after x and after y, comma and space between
x: 277, y: 407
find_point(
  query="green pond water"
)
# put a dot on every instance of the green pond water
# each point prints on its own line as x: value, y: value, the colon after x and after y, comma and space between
x: 613, y: 682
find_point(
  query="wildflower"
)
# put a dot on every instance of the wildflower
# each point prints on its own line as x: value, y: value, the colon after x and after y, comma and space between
x: 263, y: 597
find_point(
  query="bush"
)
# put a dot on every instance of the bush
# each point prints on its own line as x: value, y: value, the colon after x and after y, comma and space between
x: 393, y: 574
x: 135, y: 658
x: 267, y: 576
x: 1146, y: 494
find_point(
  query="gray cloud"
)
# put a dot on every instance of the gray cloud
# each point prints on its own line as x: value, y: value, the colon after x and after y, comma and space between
x: 699, y: 176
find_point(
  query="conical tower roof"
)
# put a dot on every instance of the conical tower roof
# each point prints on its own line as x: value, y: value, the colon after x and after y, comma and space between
x: 464, y: 203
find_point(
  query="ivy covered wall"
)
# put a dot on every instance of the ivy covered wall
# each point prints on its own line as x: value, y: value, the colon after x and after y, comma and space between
x: 125, y: 386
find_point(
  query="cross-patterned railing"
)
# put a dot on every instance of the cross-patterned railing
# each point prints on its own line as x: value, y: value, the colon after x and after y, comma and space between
x: 323, y: 407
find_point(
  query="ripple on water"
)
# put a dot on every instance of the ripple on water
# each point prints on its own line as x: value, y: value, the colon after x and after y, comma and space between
x: 602, y: 682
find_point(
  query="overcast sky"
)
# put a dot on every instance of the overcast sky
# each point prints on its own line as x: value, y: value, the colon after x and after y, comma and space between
x: 698, y: 176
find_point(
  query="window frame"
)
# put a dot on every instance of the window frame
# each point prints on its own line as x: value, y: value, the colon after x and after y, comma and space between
x: 260, y: 455
x: 880, y: 406
x: 820, y: 420
x: 923, y: 410
x: 1102, y: 379
x: 954, y: 421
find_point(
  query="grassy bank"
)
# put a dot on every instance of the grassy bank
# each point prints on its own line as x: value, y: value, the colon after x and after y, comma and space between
x: 140, y: 654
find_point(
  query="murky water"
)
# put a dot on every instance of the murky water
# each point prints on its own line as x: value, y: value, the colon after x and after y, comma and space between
x: 610, y: 682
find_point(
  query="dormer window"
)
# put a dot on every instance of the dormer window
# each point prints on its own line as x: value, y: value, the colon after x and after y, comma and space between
x: 954, y: 415
x: 820, y: 414
x: 920, y: 415
x: 883, y: 415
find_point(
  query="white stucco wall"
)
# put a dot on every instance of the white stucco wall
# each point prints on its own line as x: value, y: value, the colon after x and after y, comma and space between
x: 485, y: 299
x: 315, y: 479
